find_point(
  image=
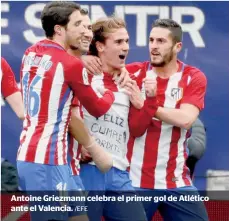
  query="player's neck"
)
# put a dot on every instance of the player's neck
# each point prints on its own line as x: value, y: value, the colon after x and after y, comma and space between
x: 75, y: 53
x: 59, y: 41
x: 168, y: 70
x: 110, y: 70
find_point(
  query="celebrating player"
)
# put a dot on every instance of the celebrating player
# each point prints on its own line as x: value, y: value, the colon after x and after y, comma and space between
x: 49, y: 78
x: 93, y: 64
x: 111, y: 44
x: 158, y: 157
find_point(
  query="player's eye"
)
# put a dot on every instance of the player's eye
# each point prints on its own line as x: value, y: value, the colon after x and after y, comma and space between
x: 160, y: 40
x: 78, y: 23
x: 151, y: 40
x: 119, y: 41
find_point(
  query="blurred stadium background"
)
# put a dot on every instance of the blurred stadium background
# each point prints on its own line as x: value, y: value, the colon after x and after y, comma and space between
x: 206, y: 46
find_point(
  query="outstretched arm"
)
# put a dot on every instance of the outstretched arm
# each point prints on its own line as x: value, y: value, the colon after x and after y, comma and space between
x: 79, y: 131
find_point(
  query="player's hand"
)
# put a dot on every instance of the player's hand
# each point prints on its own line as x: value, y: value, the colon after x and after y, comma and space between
x: 123, y: 78
x: 132, y: 89
x: 92, y: 64
x: 85, y: 155
x: 150, y: 86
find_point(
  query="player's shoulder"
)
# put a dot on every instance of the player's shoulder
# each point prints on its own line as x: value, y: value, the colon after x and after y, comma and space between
x: 193, y: 72
x: 137, y: 70
x: 3, y: 60
x: 133, y: 67
x: 4, y: 63
x: 136, y: 66
x: 32, y: 48
x: 71, y: 62
x: 56, y: 51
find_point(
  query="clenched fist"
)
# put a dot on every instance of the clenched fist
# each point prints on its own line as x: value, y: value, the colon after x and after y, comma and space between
x: 150, y: 86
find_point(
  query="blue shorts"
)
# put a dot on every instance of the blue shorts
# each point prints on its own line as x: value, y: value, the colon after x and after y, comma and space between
x: 48, y: 183
x: 77, y: 190
x: 42, y: 177
x: 75, y: 183
x: 182, y: 209
x: 113, y: 184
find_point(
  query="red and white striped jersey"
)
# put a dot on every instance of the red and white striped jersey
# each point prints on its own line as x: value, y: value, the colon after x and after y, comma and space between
x: 8, y: 82
x: 74, y: 155
x: 74, y: 147
x: 111, y: 130
x: 49, y: 77
x: 157, y: 158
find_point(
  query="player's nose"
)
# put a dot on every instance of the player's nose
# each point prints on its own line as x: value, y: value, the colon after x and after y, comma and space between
x: 126, y: 46
x: 82, y: 29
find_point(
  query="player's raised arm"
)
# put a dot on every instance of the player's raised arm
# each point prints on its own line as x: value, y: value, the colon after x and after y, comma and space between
x: 141, y: 111
x: 78, y: 80
x: 140, y: 118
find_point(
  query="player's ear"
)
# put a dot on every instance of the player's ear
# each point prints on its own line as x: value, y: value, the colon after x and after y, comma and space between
x: 57, y: 29
x: 99, y: 46
x: 178, y: 47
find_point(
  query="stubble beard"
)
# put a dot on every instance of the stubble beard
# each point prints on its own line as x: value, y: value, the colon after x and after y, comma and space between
x: 165, y: 60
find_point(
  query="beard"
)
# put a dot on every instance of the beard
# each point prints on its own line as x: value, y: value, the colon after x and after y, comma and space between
x: 83, y: 49
x: 72, y: 47
x: 80, y: 48
x: 165, y: 59
x: 73, y: 44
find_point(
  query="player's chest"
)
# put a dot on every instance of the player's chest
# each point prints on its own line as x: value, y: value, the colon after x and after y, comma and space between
x: 169, y: 91
x: 116, y: 118
x: 121, y: 103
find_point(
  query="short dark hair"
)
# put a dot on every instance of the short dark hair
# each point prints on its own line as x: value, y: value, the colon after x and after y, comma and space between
x: 102, y: 28
x: 84, y: 11
x: 174, y: 27
x: 57, y: 13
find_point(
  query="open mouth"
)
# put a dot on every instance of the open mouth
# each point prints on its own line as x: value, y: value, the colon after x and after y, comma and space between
x: 122, y: 57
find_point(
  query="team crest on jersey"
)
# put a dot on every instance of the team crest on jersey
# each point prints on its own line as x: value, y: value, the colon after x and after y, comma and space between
x: 85, y: 76
x: 177, y: 93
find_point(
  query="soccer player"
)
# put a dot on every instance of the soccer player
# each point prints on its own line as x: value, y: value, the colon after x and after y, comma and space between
x: 10, y: 90
x: 49, y: 78
x: 83, y: 48
x: 157, y: 151
x: 111, y: 45
x: 93, y: 64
